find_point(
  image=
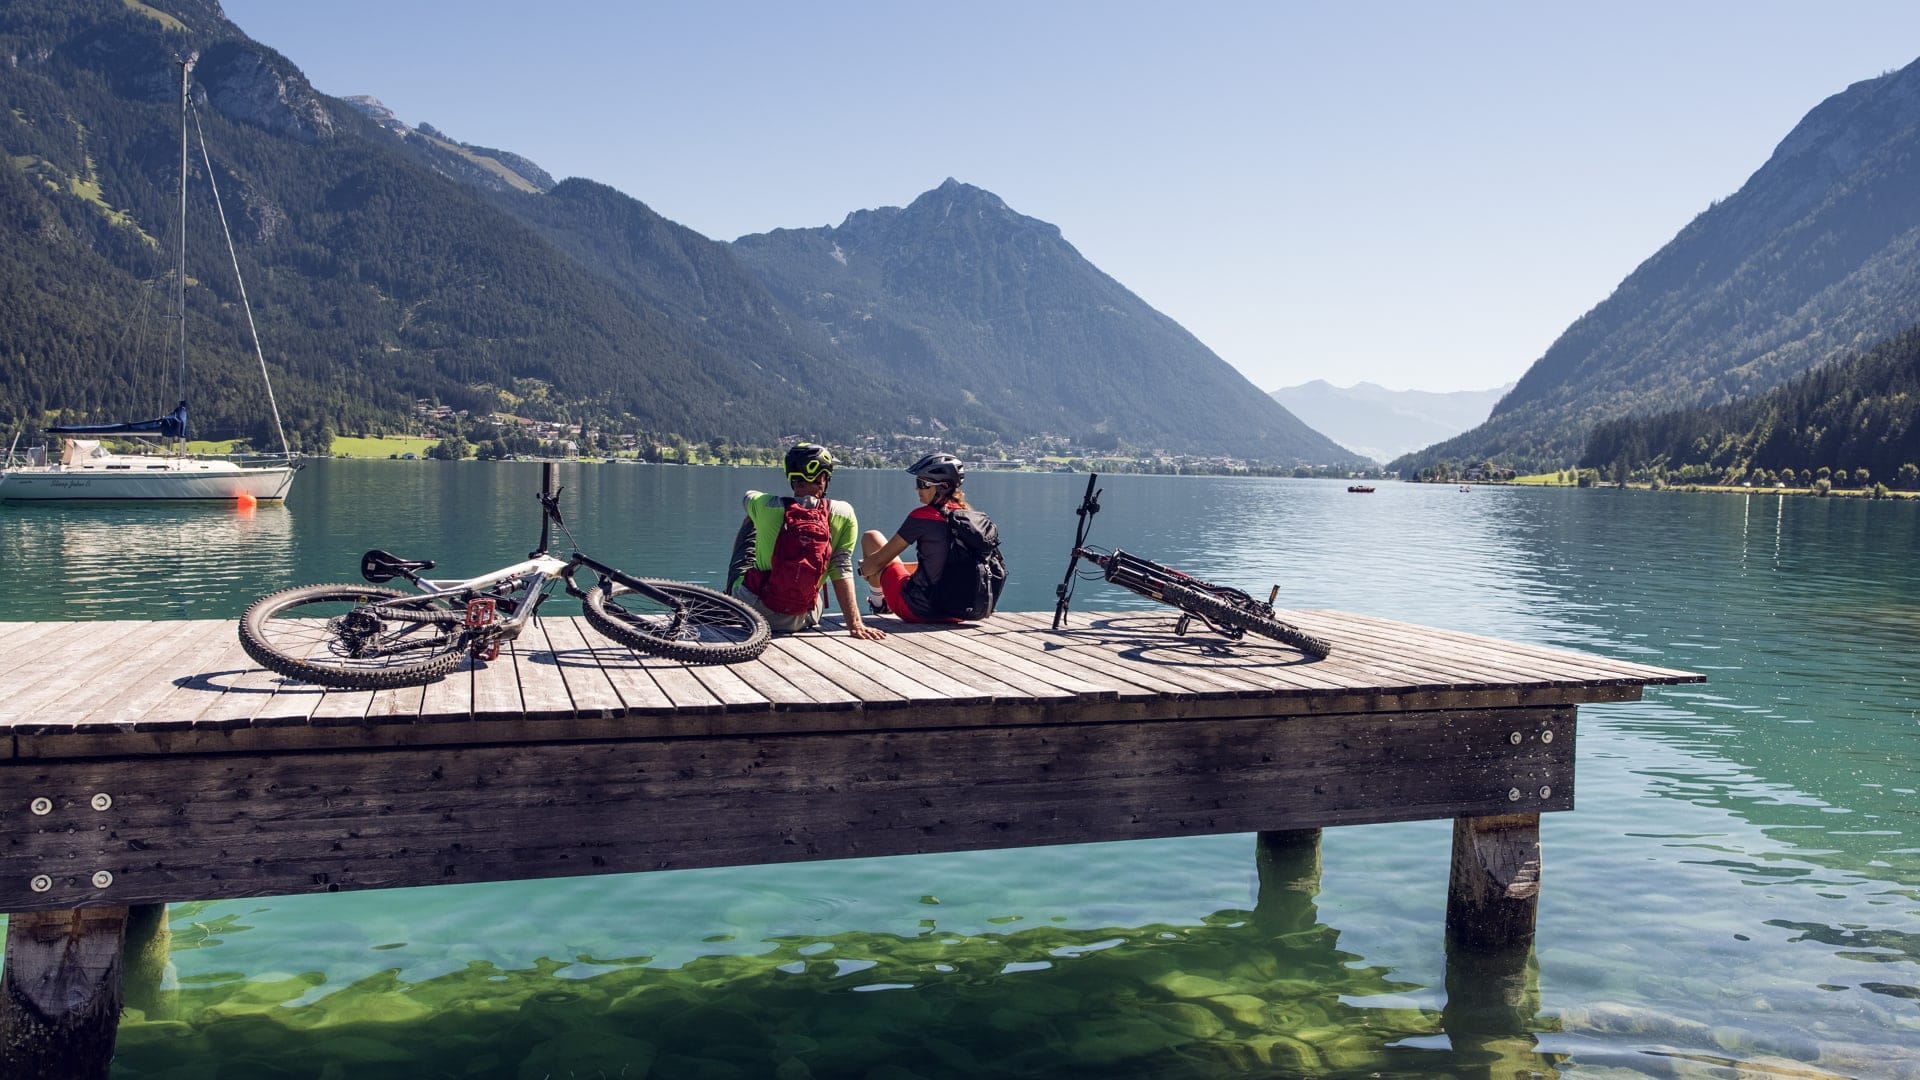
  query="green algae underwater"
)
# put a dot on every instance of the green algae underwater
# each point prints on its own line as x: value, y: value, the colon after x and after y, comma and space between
x: 1262, y: 990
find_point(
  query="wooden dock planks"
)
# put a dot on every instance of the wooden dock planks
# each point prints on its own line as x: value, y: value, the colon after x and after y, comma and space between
x: 146, y: 688
x: 570, y: 754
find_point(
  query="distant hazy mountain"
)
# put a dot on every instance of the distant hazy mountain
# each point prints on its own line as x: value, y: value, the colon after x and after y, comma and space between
x: 1816, y: 256
x: 1382, y: 424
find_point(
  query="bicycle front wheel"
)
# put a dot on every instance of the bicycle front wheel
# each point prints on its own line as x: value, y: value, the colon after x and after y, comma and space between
x: 1221, y: 613
x: 354, y: 637
x: 708, y: 627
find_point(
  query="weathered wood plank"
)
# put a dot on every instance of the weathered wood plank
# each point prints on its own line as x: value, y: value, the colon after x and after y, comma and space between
x: 132, y: 690
x: 588, y: 687
x: 776, y: 688
x: 688, y: 693
x: 1450, y: 662
x: 227, y: 825
x: 820, y: 691
x: 873, y: 693
x: 1599, y: 666
x: 28, y: 642
x: 730, y: 689
x: 16, y: 637
x: 400, y: 705
x: 543, y: 688
x: 899, y: 672
x: 218, y: 701
x: 496, y: 686
x: 1144, y: 651
x: 636, y: 686
x: 55, y: 673
x: 960, y: 640
x: 450, y: 699
x: 1004, y: 683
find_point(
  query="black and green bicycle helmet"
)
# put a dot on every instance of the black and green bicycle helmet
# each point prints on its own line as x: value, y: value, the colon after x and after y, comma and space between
x: 807, y: 462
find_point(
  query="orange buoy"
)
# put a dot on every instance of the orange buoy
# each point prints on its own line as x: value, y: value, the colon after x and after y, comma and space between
x: 247, y: 501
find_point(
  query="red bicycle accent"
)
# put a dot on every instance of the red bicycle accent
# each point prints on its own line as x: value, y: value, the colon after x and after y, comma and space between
x: 483, y: 611
x: 1227, y: 611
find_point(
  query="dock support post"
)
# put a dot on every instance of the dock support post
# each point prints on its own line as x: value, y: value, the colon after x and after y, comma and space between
x: 146, y: 960
x: 1494, y: 887
x: 60, y: 993
x: 1288, y: 864
x: 1493, y: 982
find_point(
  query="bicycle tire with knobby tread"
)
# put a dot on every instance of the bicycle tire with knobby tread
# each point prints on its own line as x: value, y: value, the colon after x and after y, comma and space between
x: 1216, y: 610
x: 259, y: 643
x: 744, y: 632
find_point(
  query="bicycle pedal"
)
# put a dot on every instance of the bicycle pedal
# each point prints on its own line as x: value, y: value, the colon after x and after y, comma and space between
x: 482, y: 611
x: 488, y: 652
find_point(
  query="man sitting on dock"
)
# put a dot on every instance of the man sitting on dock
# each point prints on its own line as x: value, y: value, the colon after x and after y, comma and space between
x: 789, y: 547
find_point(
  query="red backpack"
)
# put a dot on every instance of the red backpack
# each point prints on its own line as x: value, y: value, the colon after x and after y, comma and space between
x: 789, y: 586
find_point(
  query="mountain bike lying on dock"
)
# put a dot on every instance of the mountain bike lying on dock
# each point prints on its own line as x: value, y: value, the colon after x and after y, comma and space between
x: 1228, y: 612
x: 365, y: 638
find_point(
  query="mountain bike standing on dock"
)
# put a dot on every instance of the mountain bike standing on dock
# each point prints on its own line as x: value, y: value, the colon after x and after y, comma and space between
x: 366, y: 638
x: 1228, y: 612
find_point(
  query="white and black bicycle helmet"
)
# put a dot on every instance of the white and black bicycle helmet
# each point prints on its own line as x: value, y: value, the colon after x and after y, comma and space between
x: 942, y: 469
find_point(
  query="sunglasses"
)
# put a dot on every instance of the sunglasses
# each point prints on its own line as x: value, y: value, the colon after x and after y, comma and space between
x: 924, y: 484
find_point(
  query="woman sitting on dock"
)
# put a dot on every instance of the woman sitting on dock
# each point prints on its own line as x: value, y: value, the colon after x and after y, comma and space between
x: 959, y: 572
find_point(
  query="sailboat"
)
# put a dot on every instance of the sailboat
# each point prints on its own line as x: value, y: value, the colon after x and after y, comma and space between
x: 86, y: 470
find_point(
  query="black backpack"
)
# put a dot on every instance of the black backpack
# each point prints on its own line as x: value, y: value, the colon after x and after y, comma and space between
x: 975, y: 571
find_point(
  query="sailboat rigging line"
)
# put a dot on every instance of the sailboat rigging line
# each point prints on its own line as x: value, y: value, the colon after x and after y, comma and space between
x: 245, y: 306
x: 180, y: 268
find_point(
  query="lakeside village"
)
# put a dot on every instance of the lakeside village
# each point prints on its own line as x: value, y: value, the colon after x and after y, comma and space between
x: 451, y: 435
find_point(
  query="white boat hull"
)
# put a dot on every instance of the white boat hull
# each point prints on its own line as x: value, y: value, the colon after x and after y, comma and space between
x: 146, y: 479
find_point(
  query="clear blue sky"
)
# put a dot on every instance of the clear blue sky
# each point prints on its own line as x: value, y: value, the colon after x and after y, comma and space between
x: 1422, y: 195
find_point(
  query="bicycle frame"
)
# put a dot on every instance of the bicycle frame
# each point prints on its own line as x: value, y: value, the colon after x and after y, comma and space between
x: 526, y: 580
x: 1142, y: 576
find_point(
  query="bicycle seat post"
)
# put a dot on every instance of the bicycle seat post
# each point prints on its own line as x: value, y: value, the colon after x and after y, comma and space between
x: 549, y: 503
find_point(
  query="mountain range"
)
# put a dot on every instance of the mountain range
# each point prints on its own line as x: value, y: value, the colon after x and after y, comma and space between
x: 388, y: 264
x: 1383, y: 424
x: 1815, y: 257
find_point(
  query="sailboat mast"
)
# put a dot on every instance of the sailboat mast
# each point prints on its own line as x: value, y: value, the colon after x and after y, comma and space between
x: 180, y: 267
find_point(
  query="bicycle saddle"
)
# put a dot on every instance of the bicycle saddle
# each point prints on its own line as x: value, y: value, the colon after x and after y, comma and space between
x: 378, y: 566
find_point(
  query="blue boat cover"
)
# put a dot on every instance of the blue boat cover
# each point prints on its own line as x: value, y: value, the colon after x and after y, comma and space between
x: 171, y: 426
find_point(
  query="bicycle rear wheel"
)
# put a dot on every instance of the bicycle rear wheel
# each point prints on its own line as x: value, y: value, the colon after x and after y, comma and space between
x: 709, y: 628
x: 1221, y: 613
x: 354, y: 637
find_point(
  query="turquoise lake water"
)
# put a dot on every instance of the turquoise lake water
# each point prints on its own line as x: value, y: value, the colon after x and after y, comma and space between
x: 1736, y: 894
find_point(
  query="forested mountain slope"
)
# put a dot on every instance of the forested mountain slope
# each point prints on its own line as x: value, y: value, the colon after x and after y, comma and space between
x: 1816, y: 256
x: 387, y: 264
x: 992, y: 317
x: 1858, y: 414
x: 375, y: 281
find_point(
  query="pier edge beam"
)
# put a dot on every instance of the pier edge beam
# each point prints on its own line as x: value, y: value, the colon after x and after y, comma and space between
x: 60, y: 992
x: 1493, y: 891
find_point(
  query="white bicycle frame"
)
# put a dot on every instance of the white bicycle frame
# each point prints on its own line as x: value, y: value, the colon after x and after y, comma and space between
x: 531, y: 575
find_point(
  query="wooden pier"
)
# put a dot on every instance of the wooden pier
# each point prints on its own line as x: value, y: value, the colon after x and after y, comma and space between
x: 143, y: 763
